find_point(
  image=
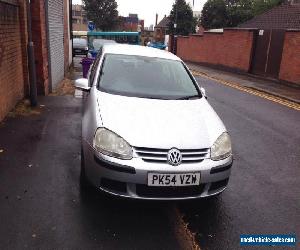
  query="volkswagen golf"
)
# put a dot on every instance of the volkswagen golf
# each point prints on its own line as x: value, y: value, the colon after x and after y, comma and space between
x: 148, y: 131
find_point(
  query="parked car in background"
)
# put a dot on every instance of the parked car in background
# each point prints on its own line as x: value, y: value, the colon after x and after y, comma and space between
x: 98, y: 44
x: 157, y: 45
x: 80, y: 46
x: 148, y: 131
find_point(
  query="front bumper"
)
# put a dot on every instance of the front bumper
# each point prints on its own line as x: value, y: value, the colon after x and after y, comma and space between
x: 128, y: 178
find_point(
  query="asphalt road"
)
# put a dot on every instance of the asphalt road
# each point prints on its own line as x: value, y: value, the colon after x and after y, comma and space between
x: 263, y: 196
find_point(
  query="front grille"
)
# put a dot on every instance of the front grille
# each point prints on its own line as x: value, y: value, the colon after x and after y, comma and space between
x: 160, y: 155
x: 168, y: 192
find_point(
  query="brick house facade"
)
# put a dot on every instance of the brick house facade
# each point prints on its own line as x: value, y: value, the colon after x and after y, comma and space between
x: 161, y: 30
x: 11, y: 56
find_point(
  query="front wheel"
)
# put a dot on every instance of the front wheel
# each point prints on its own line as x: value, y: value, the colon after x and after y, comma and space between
x: 84, y: 184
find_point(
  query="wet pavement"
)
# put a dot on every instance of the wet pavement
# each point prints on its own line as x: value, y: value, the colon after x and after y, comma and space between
x: 42, y: 205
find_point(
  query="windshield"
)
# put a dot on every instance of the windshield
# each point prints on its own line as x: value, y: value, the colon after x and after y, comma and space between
x: 146, y: 77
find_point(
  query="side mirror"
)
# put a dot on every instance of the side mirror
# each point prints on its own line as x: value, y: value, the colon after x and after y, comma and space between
x: 203, y: 92
x: 82, y: 84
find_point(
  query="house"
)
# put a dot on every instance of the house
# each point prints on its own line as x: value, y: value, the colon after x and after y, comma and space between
x: 147, y: 35
x: 51, y: 38
x: 283, y: 17
x: 79, y: 19
x: 131, y: 23
x: 197, y: 14
x: 161, y: 29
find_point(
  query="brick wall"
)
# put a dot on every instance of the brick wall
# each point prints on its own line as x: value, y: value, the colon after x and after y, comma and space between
x: 11, y: 68
x: 39, y: 38
x: 290, y: 63
x: 231, y: 49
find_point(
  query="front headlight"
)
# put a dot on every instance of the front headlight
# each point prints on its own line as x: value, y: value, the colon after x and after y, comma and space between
x: 221, y: 148
x: 109, y: 143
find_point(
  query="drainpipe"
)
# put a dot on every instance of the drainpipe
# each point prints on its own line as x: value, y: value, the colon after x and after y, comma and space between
x: 31, y: 60
x: 71, y: 28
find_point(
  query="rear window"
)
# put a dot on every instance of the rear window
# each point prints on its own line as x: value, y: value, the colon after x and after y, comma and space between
x: 146, y: 77
x: 80, y: 42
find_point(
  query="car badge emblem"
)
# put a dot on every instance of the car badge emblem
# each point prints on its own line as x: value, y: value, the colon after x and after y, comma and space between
x: 174, y: 157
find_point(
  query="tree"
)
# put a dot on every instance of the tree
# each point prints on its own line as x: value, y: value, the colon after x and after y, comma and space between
x: 231, y: 13
x: 103, y: 13
x: 214, y: 14
x: 239, y: 11
x: 182, y: 15
x: 260, y: 6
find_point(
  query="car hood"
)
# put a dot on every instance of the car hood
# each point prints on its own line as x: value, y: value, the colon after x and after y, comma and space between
x: 184, y: 124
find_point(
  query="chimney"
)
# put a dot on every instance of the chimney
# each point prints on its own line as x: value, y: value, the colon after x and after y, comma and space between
x: 156, y: 19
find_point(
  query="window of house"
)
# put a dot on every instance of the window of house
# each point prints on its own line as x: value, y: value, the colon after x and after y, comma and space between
x: 77, y: 13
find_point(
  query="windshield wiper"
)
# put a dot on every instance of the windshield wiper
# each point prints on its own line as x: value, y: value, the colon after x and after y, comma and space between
x: 188, y: 97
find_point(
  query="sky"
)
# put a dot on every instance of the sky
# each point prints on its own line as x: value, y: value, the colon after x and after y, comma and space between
x: 146, y: 9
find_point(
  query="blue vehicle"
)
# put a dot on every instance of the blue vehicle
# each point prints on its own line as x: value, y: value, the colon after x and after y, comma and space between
x: 157, y: 45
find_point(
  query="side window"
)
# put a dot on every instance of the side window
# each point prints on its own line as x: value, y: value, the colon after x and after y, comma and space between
x: 94, y: 68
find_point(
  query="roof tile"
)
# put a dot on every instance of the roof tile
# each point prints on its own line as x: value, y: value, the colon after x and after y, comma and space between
x: 285, y: 16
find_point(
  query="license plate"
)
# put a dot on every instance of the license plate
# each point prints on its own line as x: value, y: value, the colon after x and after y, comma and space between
x: 77, y: 50
x: 188, y: 179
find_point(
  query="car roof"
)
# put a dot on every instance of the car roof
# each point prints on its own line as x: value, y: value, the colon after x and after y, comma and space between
x: 137, y: 50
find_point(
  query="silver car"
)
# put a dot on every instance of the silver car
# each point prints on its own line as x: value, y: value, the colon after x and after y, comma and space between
x: 148, y: 131
x: 80, y: 46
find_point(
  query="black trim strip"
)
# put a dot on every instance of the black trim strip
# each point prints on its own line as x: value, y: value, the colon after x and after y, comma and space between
x: 114, y: 166
x: 220, y: 169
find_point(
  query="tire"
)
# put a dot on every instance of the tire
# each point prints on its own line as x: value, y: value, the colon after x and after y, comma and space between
x: 84, y: 184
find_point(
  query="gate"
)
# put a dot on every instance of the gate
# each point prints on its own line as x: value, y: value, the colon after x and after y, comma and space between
x: 267, y: 53
x: 173, y: 44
